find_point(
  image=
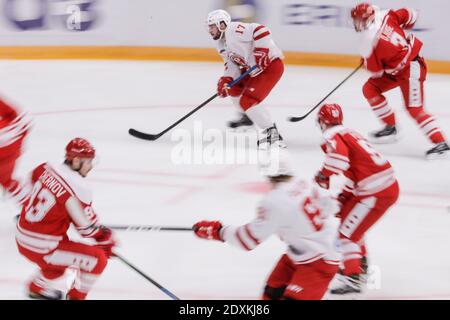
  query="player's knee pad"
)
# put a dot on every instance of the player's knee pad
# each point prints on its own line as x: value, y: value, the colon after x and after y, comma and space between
x: 246, y: 102
x: 271, y: 293
x: 102, y: 261
x: 371, y: 92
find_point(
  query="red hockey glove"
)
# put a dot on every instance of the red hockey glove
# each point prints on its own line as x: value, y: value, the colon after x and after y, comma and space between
x: 222, y: 86
x: 238, y: 60
x: 208, y: 230
x: 261, y: 58
x: 344, y: 196
x: 342, y: 199
x: 322, y: 180
x: 105, y: 240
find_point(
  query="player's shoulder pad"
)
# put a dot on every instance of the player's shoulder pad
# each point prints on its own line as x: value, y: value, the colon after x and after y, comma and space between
x: 38, y: 171
x: 333, y: 137
x: 272, y: 199
x: 239, y: 30
x: 259, y: 31
x: 381, y: 19
x: 40, y: 166
x: 231, y: 28
x: 333, y: 132
x: 75, y: 183
x: 281, y: 194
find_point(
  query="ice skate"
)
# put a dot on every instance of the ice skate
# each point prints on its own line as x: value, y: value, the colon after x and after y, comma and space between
x: 439, y: 151
x: 348, y: 284
x: 271, y: 137
x: 243, y: 123
x: 39, y: 293
x: 389, y: 134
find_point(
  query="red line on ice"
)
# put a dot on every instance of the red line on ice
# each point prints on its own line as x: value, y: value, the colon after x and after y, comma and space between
x: 222, y: 173
x: 192, y: 105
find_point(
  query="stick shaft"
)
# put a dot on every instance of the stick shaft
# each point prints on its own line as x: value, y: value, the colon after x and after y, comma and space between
x: 295, y: 119
x: 167, y: 292
x: 151, y: 137
x: 148, y: 228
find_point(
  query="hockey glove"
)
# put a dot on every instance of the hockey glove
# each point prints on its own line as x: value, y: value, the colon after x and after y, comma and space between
x: 222, y: 86
x: 238, y: 60
x: 343, y: 197
x: 209, y: 230
x: 322, y: 180
x: 105, y: 240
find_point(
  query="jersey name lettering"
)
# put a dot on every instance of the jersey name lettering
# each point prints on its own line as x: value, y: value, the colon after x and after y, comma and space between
x: 52, y: 184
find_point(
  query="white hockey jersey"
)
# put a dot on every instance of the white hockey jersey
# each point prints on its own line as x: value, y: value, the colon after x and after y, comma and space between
x: 301, y: 214
x: 238, y: 43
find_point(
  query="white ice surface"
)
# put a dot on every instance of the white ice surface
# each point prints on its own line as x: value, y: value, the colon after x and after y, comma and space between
x: 135, y: 181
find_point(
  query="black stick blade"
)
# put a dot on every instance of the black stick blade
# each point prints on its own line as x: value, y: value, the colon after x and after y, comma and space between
x: 142, y: 135
x: 296, y: 119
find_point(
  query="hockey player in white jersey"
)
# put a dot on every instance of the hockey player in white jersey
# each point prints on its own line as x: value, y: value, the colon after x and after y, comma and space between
x: 301, y: 215
x: 243, y: 45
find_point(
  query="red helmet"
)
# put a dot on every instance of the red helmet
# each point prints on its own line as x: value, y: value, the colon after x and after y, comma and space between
x: 79, y: 147
x: 330, y: 114
x: 362, y: 14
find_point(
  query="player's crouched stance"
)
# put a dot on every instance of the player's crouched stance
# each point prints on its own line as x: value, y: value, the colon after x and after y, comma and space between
x: 60, y: 198
x: 302, y: 215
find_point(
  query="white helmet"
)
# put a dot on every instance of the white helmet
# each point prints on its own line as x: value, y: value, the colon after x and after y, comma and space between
x: 216, y: 17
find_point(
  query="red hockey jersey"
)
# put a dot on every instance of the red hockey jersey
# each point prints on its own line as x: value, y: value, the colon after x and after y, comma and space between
x: 59, y: 198
x: 384, y: 45
x: 13, y: 128
x: 349, y: 153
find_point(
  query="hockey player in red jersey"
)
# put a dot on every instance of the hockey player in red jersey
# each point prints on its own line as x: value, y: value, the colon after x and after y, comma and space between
x: 394, y: 59
x: 14, y: 127
x: 60, y: 198
x: 241, y: 46
x: 302, y: 215
x: 370, y: 190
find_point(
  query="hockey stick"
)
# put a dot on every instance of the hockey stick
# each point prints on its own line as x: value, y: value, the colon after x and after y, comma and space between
x: 152, y: 137
x: 296, y: 119
x: 148, y: 228
x: 160, y: 287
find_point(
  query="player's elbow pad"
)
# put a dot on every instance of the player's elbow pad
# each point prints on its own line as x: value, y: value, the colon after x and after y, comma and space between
x: 88, y: 232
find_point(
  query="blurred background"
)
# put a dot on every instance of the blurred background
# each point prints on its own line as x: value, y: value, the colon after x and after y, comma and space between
x: 175, y: 30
